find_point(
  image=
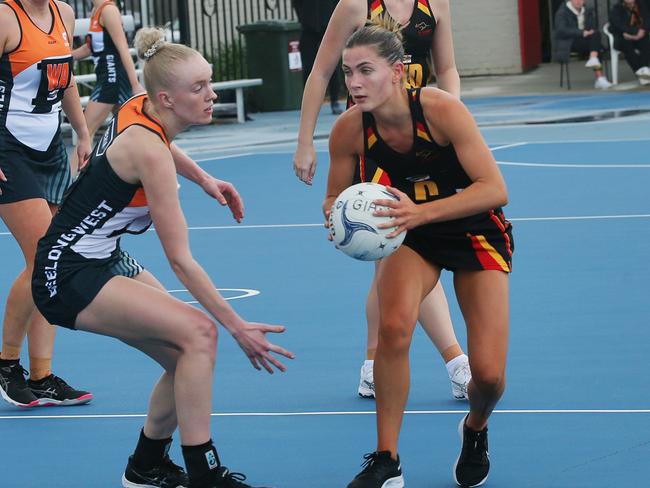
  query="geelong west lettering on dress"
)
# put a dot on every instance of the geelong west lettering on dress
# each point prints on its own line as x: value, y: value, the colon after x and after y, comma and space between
x: 88, y: 224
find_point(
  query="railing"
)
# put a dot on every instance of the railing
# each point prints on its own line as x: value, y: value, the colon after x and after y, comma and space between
x: 210, y: 26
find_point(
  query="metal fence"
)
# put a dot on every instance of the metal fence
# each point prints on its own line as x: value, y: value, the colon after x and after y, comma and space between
x: 210, y: 26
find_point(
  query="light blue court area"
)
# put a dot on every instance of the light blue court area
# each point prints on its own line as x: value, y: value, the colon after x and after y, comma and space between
x: 576, y: 412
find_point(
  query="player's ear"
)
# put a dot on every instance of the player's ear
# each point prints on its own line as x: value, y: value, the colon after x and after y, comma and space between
x: 398, y: 72
x: 165, y: 99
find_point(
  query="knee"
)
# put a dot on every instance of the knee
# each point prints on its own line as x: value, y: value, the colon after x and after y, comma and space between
x: 395, y: 332
x: 489, y: 380
x: 201, y: 338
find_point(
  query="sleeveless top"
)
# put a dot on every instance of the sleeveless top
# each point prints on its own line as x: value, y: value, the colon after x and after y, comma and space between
x: 99, y: 207
x: 428, y: 171
x: 106, y: 57
x: 418, y: 38
x: 33, y: 79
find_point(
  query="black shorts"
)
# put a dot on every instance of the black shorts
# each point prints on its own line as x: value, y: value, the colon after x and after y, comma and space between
x: 31, y: 173
x: 479, y: 242
x: 76, y: 284
x: 111, y: 88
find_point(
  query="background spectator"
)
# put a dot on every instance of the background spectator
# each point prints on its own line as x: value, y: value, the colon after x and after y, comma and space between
x: 314, y: 16
x: 630, y: 22
x: 576, y: 31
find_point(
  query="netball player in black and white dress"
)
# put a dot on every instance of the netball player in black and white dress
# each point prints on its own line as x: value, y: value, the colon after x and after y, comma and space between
x: 129, y: 183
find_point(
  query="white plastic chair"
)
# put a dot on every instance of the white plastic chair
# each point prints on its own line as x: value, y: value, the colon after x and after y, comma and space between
x: 613, y: 54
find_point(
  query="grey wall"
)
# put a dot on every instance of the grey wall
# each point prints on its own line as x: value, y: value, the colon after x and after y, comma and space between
x: 486, y: 36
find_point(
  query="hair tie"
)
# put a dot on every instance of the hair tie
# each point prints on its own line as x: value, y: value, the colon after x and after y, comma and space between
x: 153, y: 49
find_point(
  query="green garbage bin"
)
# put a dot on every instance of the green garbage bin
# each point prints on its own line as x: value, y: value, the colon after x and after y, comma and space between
x: 273, y: 54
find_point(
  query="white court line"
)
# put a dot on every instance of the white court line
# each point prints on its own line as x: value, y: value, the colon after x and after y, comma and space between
x: 229, y: 156
x: 572, y: 165
x: 325, y: 413
x: 506, y: 146
x: 584, y: 141
x: 586, y: 217
x: 516, y: 219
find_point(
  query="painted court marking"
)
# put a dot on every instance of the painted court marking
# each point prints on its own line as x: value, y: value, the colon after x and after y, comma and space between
x: 515, y: 219
x: 327, y: 413
x: 244, y: 293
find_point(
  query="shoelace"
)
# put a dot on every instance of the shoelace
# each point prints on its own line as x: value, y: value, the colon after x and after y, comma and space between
x: 370, y: 459
x: 171, y: 466
x: 59, y: 383
x: 233, y: 476
x: 18, y: 370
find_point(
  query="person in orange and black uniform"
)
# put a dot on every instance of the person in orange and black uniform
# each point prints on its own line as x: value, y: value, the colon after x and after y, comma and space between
x: 36, y: 83
x: 449, y: 195
x: 313, y: 16
x: 630, y: 23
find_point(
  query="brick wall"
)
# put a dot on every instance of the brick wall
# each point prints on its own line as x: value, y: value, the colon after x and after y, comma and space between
x: 486, y: 36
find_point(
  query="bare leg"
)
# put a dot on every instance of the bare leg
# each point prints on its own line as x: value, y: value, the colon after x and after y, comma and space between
x: 152, y: 317
x: 483, y: 298
x: 40, y: 339
x: 404, y: 280
x: 20, y: 305
x: 433, y: 316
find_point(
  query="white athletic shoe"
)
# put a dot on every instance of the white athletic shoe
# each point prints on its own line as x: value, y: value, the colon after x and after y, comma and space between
x: 602, y: 83
x: 367, y: 380
x: 643, y: 81
x: 643, y: 73
x: 593, y: 62
x: 459, y: 378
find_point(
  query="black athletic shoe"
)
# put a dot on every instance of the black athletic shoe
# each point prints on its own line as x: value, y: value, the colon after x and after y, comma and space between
x: 379, y: 471
x: 13, y: 387
x: 473, y: 463
x: 167, y: 475
x: 226, y: 479
x: 52, y: 390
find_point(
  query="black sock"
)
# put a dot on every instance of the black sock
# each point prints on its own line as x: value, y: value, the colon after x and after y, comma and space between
x: 8, y: 362
x: 201, y: 462
x: 149, y: 453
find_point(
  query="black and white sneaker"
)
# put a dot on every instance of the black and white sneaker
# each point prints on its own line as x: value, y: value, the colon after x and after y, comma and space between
x: 167, y: 475
x: 52, y: 391
x: 13, y: 387
x: 226, y: 479
x: 379, y: 471
x: 473, y: 463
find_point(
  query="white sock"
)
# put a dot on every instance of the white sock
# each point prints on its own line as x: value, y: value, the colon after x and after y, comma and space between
x: 454, y: 363
x: 368, y: 363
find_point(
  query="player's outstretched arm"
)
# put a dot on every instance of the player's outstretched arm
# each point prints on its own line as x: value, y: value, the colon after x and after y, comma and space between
x: 155, y: 169
x: 222, y: 191
x: 348, y: 16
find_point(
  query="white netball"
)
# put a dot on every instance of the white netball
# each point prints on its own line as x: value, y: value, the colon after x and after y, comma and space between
x: 354, y: 228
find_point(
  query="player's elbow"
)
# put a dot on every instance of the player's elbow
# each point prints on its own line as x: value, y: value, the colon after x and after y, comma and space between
x: 501, y: 195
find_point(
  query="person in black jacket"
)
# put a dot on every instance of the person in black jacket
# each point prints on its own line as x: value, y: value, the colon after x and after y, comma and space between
x: 576, y: 31
x: 313, y: 16
x: 629, y: 23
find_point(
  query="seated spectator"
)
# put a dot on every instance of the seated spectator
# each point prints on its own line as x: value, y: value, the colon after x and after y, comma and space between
x: 576, y: 31
x: 629, y: 23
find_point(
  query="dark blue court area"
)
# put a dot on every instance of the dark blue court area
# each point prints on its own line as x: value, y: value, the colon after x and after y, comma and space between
x: 576, y: 412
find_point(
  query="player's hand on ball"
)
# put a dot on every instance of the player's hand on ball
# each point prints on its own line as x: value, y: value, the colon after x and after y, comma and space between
x: 252, y: 339
x: 404, y: 213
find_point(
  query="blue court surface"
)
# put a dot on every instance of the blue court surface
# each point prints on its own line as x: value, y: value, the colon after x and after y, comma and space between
x: 576, y: 412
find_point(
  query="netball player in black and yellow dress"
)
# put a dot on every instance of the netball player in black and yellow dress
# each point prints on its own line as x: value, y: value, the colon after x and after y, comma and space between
x: 427, y: 37
x: 130, y: 183
x: 450, y: 192
x: 36, y: 82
